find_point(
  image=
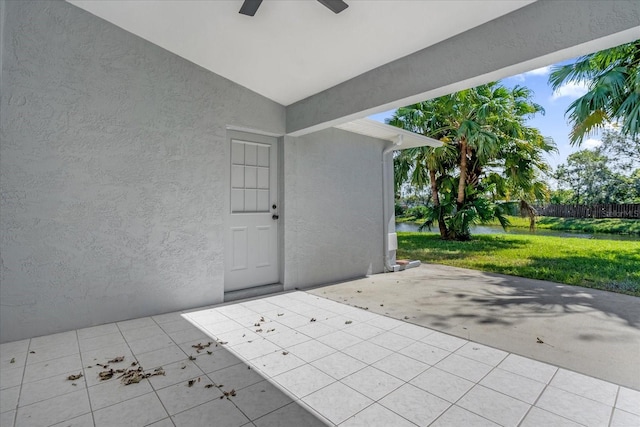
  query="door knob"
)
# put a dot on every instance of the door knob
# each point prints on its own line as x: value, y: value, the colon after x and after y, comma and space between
x: 274, y: 216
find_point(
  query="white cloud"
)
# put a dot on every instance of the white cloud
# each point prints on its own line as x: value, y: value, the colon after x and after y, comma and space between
x: 539, y: 71
x: 570, y: 90
x: 591, y: 143
x: 544, y: 71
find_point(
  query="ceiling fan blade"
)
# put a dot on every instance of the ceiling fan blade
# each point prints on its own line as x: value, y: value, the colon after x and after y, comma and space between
x: 249, y: 7
x: 336, y: 6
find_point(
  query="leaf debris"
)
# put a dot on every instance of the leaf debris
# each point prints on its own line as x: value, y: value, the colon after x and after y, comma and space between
x: 13, y: 360
x: 228, y: 394
x: 116, y: 359
x: 348, y: 322
x: 313, y: 319
x: 199, y: 347
x: 129, y: 376
x: 75, y: 377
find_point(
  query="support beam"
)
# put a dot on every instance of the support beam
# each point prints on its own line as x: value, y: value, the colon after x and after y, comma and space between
x: 536, y: 35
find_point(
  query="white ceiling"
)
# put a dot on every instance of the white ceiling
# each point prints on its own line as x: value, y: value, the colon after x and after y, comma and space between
x: 292, y: 49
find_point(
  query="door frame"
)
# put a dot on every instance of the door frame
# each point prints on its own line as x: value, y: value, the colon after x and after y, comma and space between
x: 254, y: 136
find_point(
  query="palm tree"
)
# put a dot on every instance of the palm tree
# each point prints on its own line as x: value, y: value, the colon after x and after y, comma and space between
x: 424, y: 165
x: 477, y: 126
x: 612, y: 77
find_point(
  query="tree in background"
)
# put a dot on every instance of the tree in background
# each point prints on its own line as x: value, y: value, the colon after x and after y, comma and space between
x: 612, y: 77
x: 485, y: 135
x: 623, y: 151
x: 603, y: 175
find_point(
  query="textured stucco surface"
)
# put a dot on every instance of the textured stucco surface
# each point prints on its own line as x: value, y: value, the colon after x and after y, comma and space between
x: 548, y: 30
x: 113, y: 172
x: 333, y: 213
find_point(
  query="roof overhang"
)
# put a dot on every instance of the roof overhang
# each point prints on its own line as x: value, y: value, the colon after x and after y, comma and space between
x: 377, y: 55
x: 402, y: 138
x: 291, y: 50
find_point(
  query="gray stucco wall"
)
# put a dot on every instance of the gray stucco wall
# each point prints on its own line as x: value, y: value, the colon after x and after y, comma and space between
x: 113, y: 164
x: 333, y: 227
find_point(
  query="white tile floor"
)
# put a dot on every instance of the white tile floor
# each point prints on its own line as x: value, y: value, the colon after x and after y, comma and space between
x: 348, y: 367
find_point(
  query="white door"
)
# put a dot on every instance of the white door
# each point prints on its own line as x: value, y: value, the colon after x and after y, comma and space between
x: 252, y: 227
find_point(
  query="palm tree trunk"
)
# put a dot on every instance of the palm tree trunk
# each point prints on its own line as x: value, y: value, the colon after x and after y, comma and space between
x: 463, y: 173
x: 526, y: 210
x: 436, y: 204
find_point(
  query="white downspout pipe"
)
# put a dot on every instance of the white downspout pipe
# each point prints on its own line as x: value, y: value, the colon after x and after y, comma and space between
x: 387, y: 197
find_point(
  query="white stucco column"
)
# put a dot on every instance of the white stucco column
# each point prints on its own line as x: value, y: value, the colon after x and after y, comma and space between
x: 388, y: 210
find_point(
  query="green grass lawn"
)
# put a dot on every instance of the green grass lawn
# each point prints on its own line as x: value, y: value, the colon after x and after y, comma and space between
x: 586, y: 225
x: 611, y: 265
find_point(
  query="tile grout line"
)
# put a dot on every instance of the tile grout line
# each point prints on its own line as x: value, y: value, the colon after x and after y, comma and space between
x: 476, y: 383
x: 24, y: 370
x: 613, y: 408
x: 546, y: 386
x: 93, y: 420
x: 155, y: 391
x: 247, y: 362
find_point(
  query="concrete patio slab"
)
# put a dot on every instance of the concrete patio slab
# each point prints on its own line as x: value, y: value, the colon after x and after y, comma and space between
x: 593, y: 332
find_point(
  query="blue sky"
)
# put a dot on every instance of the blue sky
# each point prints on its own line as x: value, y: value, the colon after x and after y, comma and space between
x: 553, y: 124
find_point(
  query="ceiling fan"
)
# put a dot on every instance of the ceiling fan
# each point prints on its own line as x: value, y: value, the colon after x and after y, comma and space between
x: 249, y: 7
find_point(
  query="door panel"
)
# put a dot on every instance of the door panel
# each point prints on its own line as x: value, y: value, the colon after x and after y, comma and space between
x: 239, y: 251
x: 252, y: 225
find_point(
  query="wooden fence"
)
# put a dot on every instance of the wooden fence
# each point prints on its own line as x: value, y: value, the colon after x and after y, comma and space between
x: 631, y: 211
